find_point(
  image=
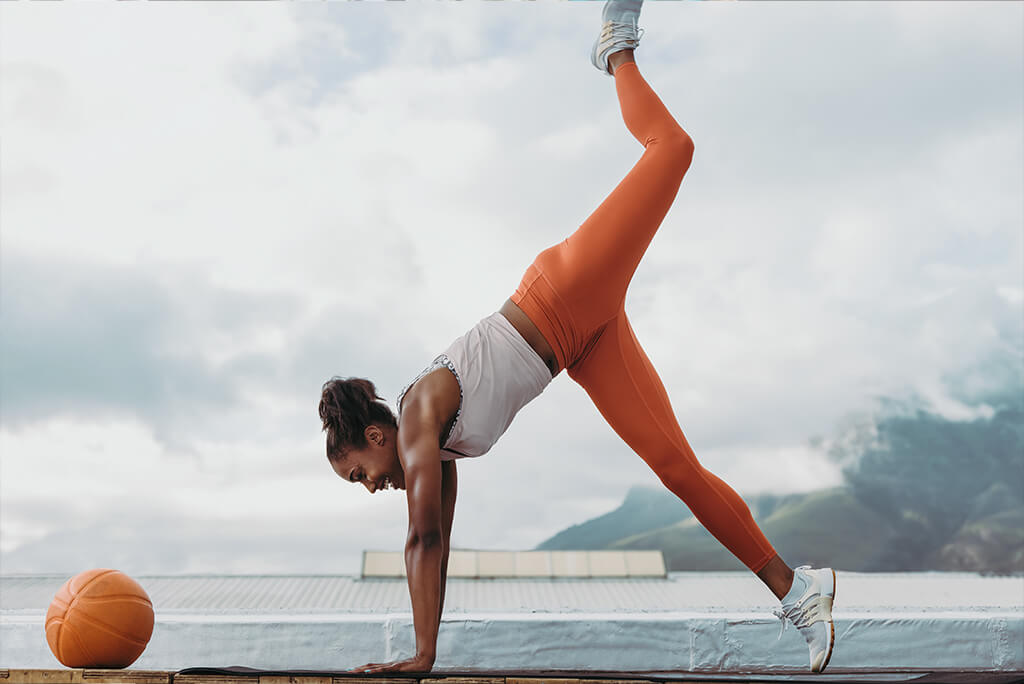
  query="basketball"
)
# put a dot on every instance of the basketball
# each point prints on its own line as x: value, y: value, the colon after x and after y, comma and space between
x: 99, y: 618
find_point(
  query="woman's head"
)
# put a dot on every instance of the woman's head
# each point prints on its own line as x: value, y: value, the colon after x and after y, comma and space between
x: 361, y: 432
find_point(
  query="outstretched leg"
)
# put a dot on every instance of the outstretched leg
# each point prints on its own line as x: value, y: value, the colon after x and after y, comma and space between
x: 601, y: 256
x: 623, y: 384
x: 574, y: 293
x: 573, y: 287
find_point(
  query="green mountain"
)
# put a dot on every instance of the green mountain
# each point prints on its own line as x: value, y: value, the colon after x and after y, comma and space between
x: 643, y: 509
x: 922, y: 493
x: 823, y: 528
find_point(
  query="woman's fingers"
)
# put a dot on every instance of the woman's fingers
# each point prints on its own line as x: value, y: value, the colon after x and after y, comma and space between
x: 407, y: 665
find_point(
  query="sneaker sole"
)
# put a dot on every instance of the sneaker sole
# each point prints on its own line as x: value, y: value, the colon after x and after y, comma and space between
x: 831, y: 627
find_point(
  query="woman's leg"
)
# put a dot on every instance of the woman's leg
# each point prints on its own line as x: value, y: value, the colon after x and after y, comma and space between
x: 574, y: 293
x: 595, y: 269
x: 578, y: 284
x: 623, y: 384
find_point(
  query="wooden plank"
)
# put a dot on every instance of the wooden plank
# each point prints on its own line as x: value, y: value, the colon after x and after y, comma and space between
x: 374, y: 680
x: 91, y: 675
x: 44, y: 676
x: 111, y: 676
x: 114, y: 676
x: 215, y: 679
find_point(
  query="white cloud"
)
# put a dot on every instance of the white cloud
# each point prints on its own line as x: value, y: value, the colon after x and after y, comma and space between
x: 345, y: 188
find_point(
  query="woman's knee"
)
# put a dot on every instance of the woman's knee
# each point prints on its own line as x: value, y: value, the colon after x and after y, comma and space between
x: 676, y: 468
x: 677, y: 146
x: 682, y: 148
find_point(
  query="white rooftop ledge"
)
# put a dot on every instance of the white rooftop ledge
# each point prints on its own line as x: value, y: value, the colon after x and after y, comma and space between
x: 696, y: 621
x: 497, y: 564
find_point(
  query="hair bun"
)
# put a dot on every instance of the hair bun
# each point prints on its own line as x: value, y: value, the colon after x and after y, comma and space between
x: 347, y: 407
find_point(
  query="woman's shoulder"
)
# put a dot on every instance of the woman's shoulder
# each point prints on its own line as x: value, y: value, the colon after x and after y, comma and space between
x: 435, y: 395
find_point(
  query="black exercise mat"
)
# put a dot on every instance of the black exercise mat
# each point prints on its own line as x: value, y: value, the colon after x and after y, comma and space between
x: 917, y: 676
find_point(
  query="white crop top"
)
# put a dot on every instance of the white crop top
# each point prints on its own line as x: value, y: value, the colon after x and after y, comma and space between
x: 498, y: 373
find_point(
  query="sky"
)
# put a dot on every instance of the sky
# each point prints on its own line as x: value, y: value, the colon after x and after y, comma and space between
x: 210, y: 209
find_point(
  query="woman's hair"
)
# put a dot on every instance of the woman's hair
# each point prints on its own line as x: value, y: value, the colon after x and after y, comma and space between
x: 347, y: 406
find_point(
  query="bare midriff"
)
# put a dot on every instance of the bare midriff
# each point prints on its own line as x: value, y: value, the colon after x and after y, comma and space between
x: 531, y: 333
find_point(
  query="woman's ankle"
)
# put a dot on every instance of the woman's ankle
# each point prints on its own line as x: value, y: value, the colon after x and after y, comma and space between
x: 620, y: 57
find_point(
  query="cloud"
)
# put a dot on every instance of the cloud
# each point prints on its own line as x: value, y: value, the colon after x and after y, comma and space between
x: 164, y: 345
x: 136, y: 537
x: 85, y: 340
x: 194, y: 240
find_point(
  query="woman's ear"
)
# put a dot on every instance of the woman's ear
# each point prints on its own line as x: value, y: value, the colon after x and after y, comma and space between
x: 374, y: 435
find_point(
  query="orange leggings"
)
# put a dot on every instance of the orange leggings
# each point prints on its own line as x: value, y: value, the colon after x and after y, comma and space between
x: 575, y: 292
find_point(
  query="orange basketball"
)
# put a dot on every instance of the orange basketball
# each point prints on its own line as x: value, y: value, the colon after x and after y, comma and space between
x: 99, y: 618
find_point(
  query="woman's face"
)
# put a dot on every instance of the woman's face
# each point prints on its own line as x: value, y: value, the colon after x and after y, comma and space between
x: 376, y: 466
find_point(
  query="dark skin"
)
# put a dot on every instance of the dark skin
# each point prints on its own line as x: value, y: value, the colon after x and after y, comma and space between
x: 413, y: 452
x: 409, y: 458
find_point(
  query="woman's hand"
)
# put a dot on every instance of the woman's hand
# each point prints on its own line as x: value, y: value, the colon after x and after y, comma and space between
x: 415, y: 664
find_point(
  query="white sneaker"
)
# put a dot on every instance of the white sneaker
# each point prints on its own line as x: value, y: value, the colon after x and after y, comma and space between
x: 618, y: 31
x: 811, y: 612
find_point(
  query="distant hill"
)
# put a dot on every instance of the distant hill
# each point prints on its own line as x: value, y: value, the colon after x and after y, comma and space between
x: 923, y: 493
x: 828, y: 527
x: 993, y: 544
x: 643, y: 509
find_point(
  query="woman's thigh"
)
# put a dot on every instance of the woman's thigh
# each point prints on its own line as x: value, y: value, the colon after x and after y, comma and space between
x: 624, y: 386
x: 621, y: 381
x: 592, y: 268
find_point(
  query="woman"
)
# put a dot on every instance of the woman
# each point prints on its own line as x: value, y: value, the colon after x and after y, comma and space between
x: 567, y: 313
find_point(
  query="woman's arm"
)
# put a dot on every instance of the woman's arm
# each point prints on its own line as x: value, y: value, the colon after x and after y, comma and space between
x: 449, y: 488
x: 424, y: 546
x: 430, y: 519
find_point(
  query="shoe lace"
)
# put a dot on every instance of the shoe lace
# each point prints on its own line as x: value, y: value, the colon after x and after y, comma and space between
x: 614, y: 31
x: 802, y: 616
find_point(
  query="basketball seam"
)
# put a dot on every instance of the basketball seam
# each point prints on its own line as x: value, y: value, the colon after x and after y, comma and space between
x: 71, y: 604
x: 121, y: 597
x: 110, y: 630
x: 74, y: 599
x: 82, y: 590
x: 71, y: 631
